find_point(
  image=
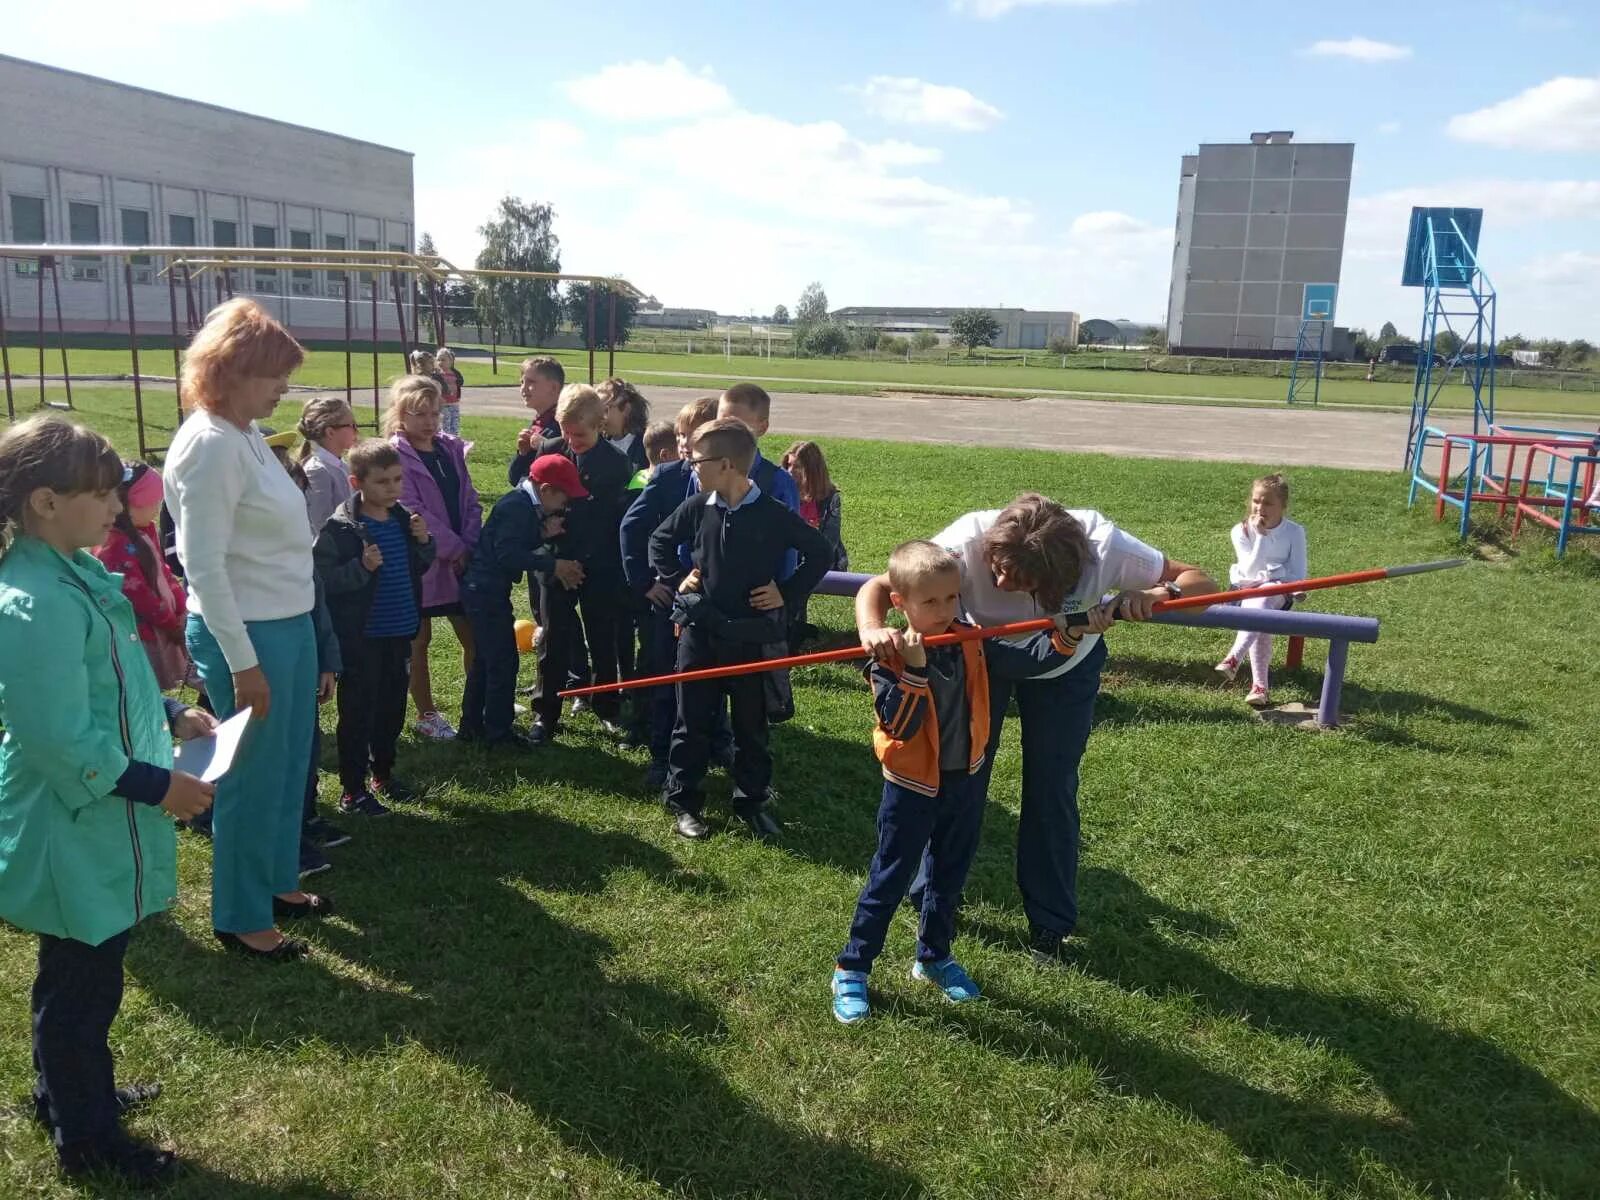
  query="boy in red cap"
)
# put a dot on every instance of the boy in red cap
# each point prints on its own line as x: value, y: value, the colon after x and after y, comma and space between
x: 514, y: 541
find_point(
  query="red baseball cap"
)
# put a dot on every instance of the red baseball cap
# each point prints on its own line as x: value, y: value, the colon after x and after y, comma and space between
x: 558, y: 472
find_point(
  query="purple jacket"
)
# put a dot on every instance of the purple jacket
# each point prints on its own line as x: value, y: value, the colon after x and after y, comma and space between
x: 441, y: 584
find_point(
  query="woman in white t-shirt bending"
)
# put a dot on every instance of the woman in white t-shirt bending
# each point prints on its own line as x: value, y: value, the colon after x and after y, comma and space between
x: 1267, y: 548
x: 1031, y: 559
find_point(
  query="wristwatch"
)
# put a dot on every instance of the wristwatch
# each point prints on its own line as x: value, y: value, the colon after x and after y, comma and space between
x: 1174, y: 592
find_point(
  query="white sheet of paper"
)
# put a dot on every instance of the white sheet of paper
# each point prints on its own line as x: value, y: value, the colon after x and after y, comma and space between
x: 209, y: 758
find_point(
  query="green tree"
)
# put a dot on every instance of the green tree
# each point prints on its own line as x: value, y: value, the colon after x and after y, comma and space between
x: 823, y: 340
x: 1513, y: 341
x: 425, y: 243
x: 1061, y: 345
x: 1155, y: 340
x: 1577, y: 354
x: 891, y: 344
x: 459, y: 299
x: 813, y: 306
x: 1447, y: 343
x: 973, y: 327
x: 864, y: 337
x: 924, y: 339
x: 1388, y: 334
x: 780, y: 315
x: 575, y: 306
x: 520, y: 237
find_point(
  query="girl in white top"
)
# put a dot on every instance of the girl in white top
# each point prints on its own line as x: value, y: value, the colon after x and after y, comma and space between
x: 329, y: 429
x: 1267, y: 548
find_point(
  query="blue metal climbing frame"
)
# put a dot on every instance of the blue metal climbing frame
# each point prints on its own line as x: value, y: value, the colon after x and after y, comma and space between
x: 1306, y: 372
x: 1441, y: 258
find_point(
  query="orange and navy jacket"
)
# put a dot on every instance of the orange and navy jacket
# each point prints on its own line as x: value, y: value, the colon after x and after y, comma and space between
x: 906, y: 738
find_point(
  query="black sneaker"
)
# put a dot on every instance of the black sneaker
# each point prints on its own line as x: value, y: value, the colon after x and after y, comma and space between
x: 1047, y: 947
x: 134, y: 1162
x: 540, y: 734
x: 323, y: 834
x: 129, y: 1099
x: 763, y: 825
x: 312, y: 860
x: 395, y: 792
x: 365, y: 804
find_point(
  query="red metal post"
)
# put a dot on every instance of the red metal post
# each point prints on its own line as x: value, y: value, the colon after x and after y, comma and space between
x: 377, y: 418
x: 40, y: 311
x: 1295, y: 654
x: 177, y: 363
x: 5, y: 358
x: 349, y: 379
x: 61, y: 330
x: 400, y: 315
x: 591, y: 333
x: 438, y: 312
x: 133, y: 348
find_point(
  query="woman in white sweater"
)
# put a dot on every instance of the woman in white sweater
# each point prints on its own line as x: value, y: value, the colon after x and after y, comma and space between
x: 245, y: 546
x: 1267, y: 548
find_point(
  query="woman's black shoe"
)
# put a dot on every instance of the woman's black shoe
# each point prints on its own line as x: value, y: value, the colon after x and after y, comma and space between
x: 132, y: 1161
x: 285, y: 951
x: 311, y: 907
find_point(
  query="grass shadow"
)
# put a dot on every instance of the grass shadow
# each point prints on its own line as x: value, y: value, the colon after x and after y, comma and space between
x: 481, y: 973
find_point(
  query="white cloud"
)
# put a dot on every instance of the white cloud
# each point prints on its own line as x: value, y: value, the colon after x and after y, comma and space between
x: 1389, y: 127
x: 1107, y: 223
x: 1569, y: 269
x: 646, y: 91
x: 989, y: 10
x: 1359, y: 48
x: 908, y: 101
x: 1562, y: 114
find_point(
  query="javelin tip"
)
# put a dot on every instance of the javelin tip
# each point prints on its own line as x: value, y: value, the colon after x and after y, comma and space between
x: 1442, y: 564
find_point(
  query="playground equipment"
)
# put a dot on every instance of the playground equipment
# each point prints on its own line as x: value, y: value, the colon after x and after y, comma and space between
x: 1316, y: 314
x: 1213, y: 610
x: 1441, y: 258
x: 415, y: 284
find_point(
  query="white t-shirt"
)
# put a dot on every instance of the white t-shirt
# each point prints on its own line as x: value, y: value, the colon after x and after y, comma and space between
x: 1276, y: 555
x: 1122, y: 562
x: 243, y: 537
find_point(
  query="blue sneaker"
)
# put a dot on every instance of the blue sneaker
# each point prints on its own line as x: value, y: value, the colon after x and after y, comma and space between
x: 850, y: 996
x: 949, y: 977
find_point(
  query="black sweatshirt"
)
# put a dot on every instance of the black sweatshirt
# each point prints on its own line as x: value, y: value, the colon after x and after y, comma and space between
x: 738, y: 551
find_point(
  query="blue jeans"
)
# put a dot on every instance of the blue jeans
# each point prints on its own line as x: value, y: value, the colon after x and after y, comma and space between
x: 1057, y: 714
x: 260, y: 802
x: 939, y: 831
x: 488, y: 703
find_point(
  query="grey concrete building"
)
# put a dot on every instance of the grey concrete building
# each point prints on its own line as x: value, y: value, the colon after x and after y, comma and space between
x: 1020, y: 328
x: 1257, y: 222
x: 89, y: 161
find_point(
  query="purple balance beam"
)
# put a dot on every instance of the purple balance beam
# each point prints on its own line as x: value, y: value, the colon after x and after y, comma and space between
x: 1336, y: 628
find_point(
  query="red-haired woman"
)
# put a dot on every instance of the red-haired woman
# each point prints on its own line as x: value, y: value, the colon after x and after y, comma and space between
x: 245, y: 546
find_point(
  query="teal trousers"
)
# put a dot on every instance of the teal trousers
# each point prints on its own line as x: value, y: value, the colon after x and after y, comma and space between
x: 255, y: 844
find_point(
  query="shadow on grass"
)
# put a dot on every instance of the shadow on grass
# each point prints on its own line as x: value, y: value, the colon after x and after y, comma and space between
x: 612, y: 1065
x: 1465, y: 1117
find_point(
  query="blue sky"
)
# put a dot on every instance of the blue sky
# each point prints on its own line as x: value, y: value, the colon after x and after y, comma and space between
x: 1021, y: 152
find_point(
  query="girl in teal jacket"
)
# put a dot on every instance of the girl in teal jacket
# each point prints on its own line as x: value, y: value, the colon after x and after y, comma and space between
x: 87, y: 789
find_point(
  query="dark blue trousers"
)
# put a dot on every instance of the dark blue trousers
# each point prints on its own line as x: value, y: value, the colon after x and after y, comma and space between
x: 489, y: 699
x: 942, y: 833
x: 75, y: 997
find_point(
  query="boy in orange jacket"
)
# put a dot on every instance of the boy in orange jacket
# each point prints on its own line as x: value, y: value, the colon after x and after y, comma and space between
x: 932, y: 705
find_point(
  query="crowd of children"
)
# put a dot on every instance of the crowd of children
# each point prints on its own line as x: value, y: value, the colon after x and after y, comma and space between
x: 648, y: 548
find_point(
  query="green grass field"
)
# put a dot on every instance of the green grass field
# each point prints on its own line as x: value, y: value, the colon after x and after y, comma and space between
x: 1313, y: 965
x: 326, y: 368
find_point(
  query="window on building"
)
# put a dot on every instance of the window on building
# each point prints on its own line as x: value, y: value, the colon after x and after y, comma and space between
x: 335, y: 280
x: 136, y: 232
x: 265, y: 237
x: 301, y: 283
x: 224, y: 233
x: 83, y: 228
x: 27, y: 226
x: 180, y: 230
x: 366, y: 276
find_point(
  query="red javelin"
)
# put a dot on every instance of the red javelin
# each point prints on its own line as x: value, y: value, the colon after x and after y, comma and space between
x: 844, y: 653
